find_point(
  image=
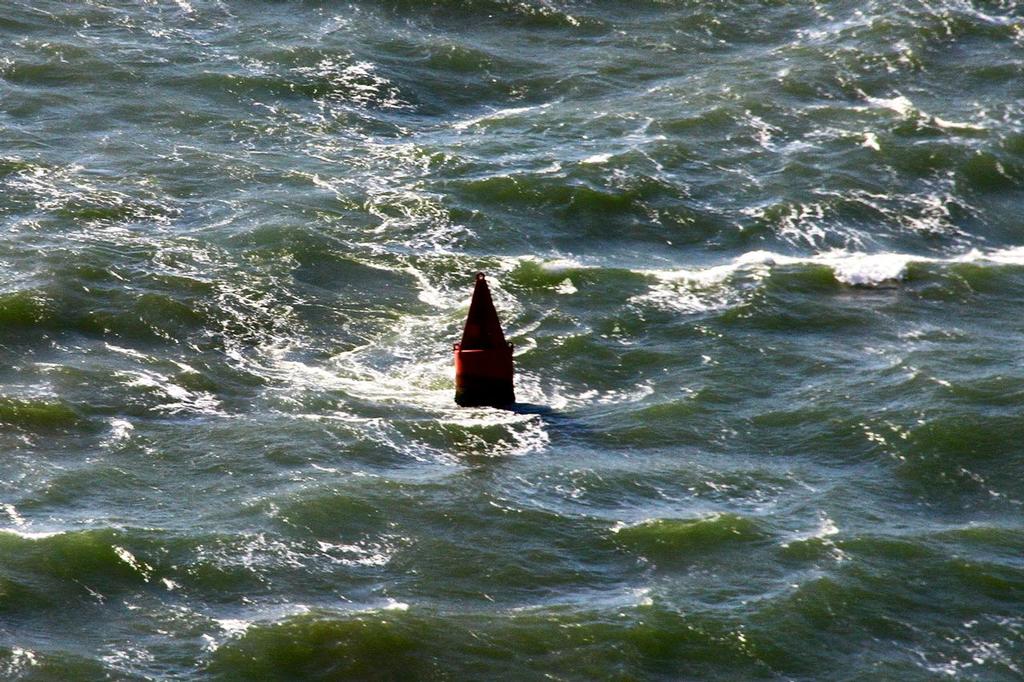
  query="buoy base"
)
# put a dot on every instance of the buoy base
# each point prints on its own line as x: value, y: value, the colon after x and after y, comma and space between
x: 483, y: 377
x: 485, y: 394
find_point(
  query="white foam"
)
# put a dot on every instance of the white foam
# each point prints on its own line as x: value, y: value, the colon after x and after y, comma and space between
x: 180, y: 398
x: 12, y: 513
x: 556, y: 264
x: 120, y: 430
x: 867, y: 269
x: 20, y: 660
x: 701, y: 289
x: 596, y: 159
x: 1009, y: 256
x: 141, y: 567
x: 905, y: 108
x: 357, y: 554
x: 28, y: 535
x: 128, y: 351
x: 233, y: 627
x: 900, y: 104
x: 823, y: 534
x: 566, y: 287
x: 871, y: 141
x: 355, y: 82
x: 957, y: 125
x: 497, y: 115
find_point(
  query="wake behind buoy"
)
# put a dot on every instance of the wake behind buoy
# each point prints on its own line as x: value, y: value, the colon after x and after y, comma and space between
x: 483, y: 359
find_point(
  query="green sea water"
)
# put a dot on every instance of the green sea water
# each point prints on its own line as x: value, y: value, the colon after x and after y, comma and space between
x: 762, y: 263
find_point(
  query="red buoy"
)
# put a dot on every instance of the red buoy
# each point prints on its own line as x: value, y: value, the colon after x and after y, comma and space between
x: 483, y: 359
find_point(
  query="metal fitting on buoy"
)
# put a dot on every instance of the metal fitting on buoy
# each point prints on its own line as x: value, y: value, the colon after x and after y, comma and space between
x: 483, y: 359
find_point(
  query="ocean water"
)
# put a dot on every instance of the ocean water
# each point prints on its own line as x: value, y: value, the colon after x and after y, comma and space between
x: 762, y: 262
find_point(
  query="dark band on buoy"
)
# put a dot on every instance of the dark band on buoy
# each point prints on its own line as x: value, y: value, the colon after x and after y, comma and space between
x: 483, y: 359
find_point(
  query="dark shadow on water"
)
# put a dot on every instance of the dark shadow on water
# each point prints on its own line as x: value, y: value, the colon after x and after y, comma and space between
x: 533, y: 408
x: 561, y: 424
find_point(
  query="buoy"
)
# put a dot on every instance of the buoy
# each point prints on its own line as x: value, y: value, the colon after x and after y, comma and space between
x: 483, y: 359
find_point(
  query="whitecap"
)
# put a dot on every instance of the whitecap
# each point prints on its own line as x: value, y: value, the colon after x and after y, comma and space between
x: 596, y: 159
x: 900, y: 104
x: 233, y: 627
x: 12, y: 513
x: 120, y: 430
x: 177, y: 398
x: 29, y: 535
x: 496, y: 115
x: 871, y: 141
x: 566, y: 287
x: 867, y: 269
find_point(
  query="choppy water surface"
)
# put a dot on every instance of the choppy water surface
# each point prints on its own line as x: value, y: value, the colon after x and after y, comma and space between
x: 763, y: 264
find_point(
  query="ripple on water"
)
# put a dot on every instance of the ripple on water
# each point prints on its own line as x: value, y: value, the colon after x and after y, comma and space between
x: 760, y: 263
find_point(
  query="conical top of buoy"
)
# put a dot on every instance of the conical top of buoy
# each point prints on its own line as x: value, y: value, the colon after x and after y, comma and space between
x: 482, y: 330
x: 483, y: 359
